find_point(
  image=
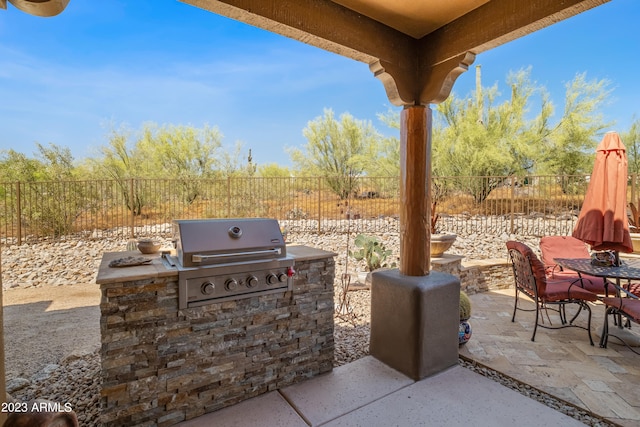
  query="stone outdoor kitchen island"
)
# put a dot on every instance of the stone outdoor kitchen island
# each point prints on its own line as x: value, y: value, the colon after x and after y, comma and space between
x: 162, y: 365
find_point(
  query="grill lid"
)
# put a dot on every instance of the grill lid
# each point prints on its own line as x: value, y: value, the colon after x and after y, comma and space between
x: 216, y: 241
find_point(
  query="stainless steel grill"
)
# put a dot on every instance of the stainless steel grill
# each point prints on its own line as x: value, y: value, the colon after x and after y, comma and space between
x: 224, y: 259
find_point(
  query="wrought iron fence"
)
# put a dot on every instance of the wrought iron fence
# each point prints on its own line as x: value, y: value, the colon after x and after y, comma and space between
x: 34, y: 211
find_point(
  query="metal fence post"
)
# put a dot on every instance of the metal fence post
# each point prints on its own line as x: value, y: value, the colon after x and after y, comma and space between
x: 228, y: 197
x: 19, y: 212
x: 319, y: 204
x: 132, y: 209
x: 513, y: 202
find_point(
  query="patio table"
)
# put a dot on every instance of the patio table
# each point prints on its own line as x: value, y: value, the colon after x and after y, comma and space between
x: 629, y: 269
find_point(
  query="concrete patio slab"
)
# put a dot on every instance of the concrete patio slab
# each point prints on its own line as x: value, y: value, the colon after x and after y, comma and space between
x: 344, y: 390
x: 456, y: 397
x: 269, y: 409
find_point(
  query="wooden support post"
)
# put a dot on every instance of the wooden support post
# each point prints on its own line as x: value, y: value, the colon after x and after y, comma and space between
x: 415, y: 190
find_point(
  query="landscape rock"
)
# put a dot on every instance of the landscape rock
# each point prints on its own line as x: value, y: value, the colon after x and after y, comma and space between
x: 17, y: 384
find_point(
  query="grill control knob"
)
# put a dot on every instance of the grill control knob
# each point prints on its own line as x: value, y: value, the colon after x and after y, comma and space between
x: 272, y: 279
x: 207, y: 288
x: 282, y: 277
x: 231, y: 284
x: 252, y: 281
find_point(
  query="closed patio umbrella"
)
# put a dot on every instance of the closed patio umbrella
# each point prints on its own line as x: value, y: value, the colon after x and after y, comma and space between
x: 602, y: 222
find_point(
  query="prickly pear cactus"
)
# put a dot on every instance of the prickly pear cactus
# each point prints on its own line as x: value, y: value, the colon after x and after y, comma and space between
x: 372, y: 251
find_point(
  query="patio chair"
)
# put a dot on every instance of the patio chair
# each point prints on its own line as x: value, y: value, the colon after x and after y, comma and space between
x: 628, y: 307
x: 569, y: 247
x: 531, y: 280
x: 633, y: 288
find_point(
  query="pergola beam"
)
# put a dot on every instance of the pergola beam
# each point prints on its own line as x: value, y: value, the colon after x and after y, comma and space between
x: 495, y: 23
x: 320, y: 23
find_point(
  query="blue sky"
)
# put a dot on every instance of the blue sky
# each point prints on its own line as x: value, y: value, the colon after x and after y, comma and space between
x: 67, y: 80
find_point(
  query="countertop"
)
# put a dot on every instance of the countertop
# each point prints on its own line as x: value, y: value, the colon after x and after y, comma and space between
x: 304, y: 253
x: 156, y: 268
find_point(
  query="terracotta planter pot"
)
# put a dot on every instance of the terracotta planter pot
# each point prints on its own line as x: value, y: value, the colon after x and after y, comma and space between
x: 148, y: 246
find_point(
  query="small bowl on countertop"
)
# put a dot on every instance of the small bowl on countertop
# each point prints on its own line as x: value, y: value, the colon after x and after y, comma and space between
x: 148, y: 246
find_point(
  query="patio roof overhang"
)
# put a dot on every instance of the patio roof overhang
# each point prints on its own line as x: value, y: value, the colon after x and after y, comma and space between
x: 417, y: 49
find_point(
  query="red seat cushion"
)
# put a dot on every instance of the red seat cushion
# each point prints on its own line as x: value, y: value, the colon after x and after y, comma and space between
x: 568, y: 247
x: 629, y: 306
x: 551, y: 290
x: 590, y: 283
x: 562, y: 247
x: 558, y: 290
x: 633, y: 287
x: 536, y: 265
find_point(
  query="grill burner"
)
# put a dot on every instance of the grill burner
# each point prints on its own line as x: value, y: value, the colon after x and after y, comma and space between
x: 225, y: 259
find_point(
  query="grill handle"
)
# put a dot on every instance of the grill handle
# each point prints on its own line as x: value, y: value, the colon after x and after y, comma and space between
x: 200, y: 258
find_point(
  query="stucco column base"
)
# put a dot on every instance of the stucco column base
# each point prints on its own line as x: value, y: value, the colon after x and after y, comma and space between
x: 415, y: 321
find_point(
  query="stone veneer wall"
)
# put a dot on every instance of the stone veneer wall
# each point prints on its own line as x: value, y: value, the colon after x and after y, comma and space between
x: 161, y: 366
x: 477, y: 276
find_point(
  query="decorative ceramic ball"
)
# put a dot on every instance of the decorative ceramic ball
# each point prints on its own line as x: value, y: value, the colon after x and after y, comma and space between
x: 464, y: 332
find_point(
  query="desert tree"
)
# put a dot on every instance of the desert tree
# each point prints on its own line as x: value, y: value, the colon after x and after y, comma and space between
x: 16, y: 166
x: 570, y: 146
x: 181, y: 153
x: 121, y: 161
x: 338, y: 150
x: 480, y: 137
x: 631, y: 140
x: 47, y: 181
x: 388, y: 163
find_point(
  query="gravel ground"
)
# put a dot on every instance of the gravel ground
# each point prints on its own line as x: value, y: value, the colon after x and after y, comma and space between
x: 75, y: 377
